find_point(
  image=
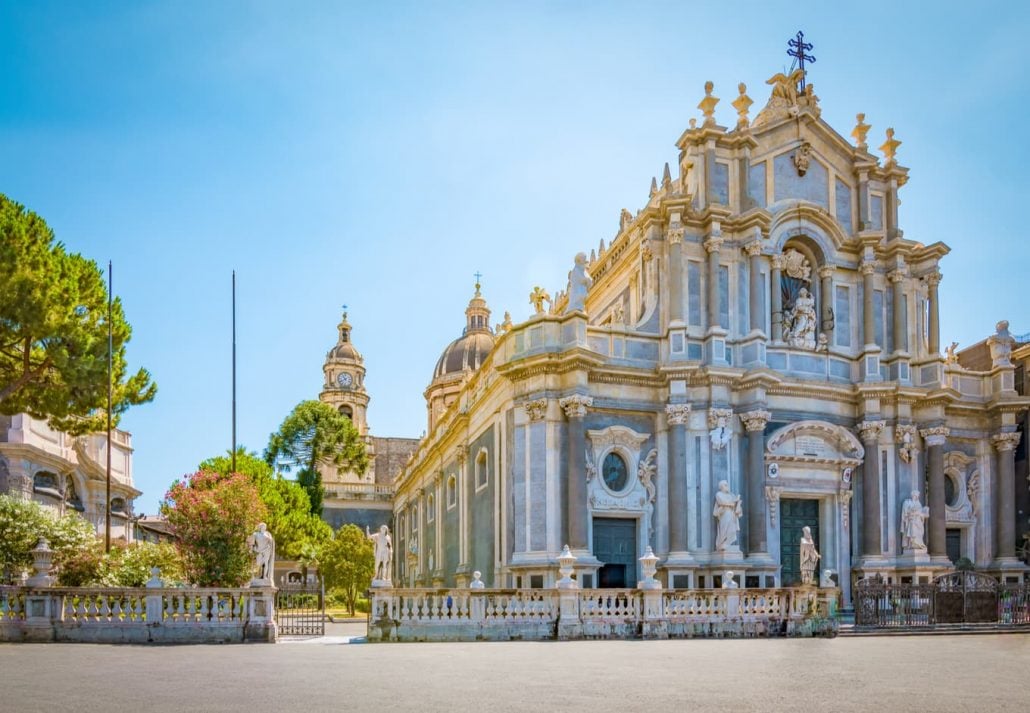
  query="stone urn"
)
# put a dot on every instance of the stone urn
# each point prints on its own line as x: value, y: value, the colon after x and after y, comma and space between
x: 566, y: 564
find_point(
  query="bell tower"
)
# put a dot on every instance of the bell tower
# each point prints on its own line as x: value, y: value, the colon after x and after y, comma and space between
x: 344, y: 385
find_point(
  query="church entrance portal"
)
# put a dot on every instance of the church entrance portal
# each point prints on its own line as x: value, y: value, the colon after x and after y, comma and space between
x: 794, y: 515
x: 615, y: 545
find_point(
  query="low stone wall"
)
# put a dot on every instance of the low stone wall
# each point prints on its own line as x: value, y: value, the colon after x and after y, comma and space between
x: 113, y: 615
x: 566, y: 614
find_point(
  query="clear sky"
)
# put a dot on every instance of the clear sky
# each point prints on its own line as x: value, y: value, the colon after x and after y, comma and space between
x: 378, y: 154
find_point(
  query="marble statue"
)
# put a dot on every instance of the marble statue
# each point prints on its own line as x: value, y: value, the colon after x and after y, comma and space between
x: 721, y: 434
x: 913, y: 522
x: 477, y: 581
x: 952, y: 357
x: 262, y: 544
x: 802, y: 158
x: 727, y: 513
x: 809, y: 556
x: 728, y: 582
x: 1001, y: 344
x: 801, y: 321
x: 579, y: 283
x: 506, y: 325
x: 537, y: 298
x: 383, y: 548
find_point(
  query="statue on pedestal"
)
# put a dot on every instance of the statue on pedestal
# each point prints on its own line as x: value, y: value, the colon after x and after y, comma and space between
x: 913, y: 517
x: 801, y: 321
x: 727, y: 513
x: 383, y: 548
x: 579, y: 284
x: 262, y: 544
x: 809, y: 556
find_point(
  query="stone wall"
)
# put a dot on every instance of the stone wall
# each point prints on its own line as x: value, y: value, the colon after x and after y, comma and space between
x: 391, y: 455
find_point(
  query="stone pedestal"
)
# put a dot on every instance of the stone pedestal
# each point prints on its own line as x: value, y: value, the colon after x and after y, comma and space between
x: 569, y: 625
x: 261, y: 615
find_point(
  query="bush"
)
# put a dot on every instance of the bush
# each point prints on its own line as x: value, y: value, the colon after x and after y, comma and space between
x: 130, y: 566
x: 24, y: 522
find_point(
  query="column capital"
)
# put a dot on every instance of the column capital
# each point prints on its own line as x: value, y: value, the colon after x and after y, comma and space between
x: 777, y: 261
x: 715, y: 414
x: 713, y: 244
x: 827, y: 271
x: 461, y: 454
x: 755, y: 420
x: 868, y: 267
x: 754, y: 248
x: 1005, y: 441
x: 933, y: 278
x: 576, y: 405
x: 677, y: 414
x: 870, y: 430
x: 897, y: 275
x: 536, y: 409
x: 675, y: 235
x: 935, y: 435
x: 905, y: 437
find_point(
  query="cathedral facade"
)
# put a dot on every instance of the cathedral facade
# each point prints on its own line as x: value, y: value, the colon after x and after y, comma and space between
x: 756, y: 351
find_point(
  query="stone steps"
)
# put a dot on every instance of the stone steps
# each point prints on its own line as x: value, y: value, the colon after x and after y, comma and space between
x: 936, y: 630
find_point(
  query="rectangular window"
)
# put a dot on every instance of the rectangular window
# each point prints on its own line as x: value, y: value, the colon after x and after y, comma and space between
x: 430, y: 508
x: 482, y: 470
x: 724, y: 297
x: 452, y: 492
x: 721, y: 183
x: 756, y: 183
x: 842, y: 315
x: 694, y: 293
x: 843, y: 204
x: 876, y: 212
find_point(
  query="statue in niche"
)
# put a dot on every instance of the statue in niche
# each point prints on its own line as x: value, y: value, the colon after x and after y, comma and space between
x: 913, y: 523
x: 382, y: 546
x: 579, y: 284
x: 801, y: 321
x: 727, y: 514
x: 262, y: 545
x: 809, y: 556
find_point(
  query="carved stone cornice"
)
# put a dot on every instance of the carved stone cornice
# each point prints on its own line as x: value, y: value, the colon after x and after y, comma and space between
x: 755, y: 420
x: 536, y: 409
x: 675, y: 235
x: 714, y: 414
x: 1005, y: 441
x: 754, y: 248
x: 870, y: 430
x: 935, y: 435
x: 713, y: 244
x: 576, y: 405
x: 677, y: 414
x: 868, y: 267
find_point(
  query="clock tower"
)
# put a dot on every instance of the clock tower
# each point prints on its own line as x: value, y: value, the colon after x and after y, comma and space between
x: 344, y: 385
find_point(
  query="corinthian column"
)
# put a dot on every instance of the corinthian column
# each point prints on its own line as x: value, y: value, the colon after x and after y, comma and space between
x: 675, y: 236
x: 754, y: 423
x: 932, y: 280
x: 868, y: 310
x: 575, y: 408
x: 713, y: 245
x: 754, y: 253
x: 897, y: 278
x: 1005, y: 494
x: 935, y: 439
x: 870, y: 433
x: 677, y: 416
x: 776, y: 298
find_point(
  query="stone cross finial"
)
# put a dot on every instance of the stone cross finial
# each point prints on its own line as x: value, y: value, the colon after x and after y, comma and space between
x: 890, y: 147
x: 860, y: 131
x: 707, y: 105
x: 742, y: 103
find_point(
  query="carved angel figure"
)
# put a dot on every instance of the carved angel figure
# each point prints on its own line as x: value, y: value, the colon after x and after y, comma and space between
x: 537, y: 298
x: 646, y: 472
x: 785, y: 87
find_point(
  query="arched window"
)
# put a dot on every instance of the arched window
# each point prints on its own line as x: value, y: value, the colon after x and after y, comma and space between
x: 430, y: 508
x: 118, y: 505
x: 347, y: 412
x: 482, y: 470
x: 452, y: 492
x: 45, y: 481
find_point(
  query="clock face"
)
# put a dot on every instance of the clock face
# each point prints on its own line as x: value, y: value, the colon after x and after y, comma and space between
x: 344, y: 379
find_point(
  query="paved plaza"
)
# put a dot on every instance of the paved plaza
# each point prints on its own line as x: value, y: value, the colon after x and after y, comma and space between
x: 925, y: 673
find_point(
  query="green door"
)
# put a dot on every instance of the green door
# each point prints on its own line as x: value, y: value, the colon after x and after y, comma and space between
x: 794, y: 515
x: 615, y: 545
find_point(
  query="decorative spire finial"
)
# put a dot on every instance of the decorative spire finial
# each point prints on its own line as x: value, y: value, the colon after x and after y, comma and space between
x: 861, y: 129
x: 742, y: 103
x: 890, y: 147
x: 796, y: 48
x: 707, y: 105
x: 478, y: 276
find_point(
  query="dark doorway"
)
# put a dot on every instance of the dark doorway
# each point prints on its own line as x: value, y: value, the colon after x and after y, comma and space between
x: 795, y: 515
x: 615, y: 545
x: 953, y: 544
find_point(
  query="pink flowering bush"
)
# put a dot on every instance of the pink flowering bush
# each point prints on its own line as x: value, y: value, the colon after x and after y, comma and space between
x: 212, y: 515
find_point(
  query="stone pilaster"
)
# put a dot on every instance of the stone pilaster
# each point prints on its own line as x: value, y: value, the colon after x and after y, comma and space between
x: 675, y: 238
x: 868, y: 268
x: 934, y: 341
x: 870, y: 433
x: 897, y: 279
x: 935, y: 438
x: 1005, y: 495
x: 776, y: 298
x: 754, y: 423
x: 575, y: 407
x: 754, y: 254
x: 713, y: 245
x: 677, y: 416
x: 826, y: 289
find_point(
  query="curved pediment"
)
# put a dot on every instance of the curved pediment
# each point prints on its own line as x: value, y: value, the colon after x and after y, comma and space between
x: 815, y: 441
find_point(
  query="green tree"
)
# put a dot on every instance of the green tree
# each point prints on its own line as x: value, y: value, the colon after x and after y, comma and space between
x: 24, y: 522
x: 130, y: 566
x: 347, y: 564
x: 290, y: 519
x: 212, y: 515
x: 53, y: 331
x: 315, y: 435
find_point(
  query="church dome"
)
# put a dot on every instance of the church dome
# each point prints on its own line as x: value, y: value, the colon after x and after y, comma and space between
x: 344, y: 348
x: 470, y: 349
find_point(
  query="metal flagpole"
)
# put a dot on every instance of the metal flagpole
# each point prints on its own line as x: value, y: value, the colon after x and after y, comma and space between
x: 233, y: 469
x: 110, y: 388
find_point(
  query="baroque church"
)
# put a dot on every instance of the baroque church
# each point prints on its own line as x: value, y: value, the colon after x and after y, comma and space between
x: 755, y: 352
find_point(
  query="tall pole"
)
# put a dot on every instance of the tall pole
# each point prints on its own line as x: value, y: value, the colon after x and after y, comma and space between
x: 233, y: 371
x: 110, y: 388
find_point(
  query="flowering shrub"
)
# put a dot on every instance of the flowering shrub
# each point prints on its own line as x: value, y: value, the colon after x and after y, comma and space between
x: 212, y: 515
x: 23, y: 522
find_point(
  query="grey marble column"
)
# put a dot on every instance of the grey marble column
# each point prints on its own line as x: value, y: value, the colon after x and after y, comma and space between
x: 754, y: 422
x: 1005, y: 494
x: 826, y: 288
x: 932, y: 280
x: 675, y: 236
x: 575, y: 408
x: 713, y: 245
x: 868, y: 309
x: 935, y: 439
x: 755, y: 312
x: 897, y: 278
x: 870, y: 432
x: 776, y: 298
x: 677, y: 416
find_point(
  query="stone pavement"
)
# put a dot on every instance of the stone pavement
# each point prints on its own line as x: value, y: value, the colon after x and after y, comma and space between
x: 940, y: 673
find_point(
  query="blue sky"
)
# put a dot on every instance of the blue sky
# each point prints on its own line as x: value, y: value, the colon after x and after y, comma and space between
x: 378, y: 155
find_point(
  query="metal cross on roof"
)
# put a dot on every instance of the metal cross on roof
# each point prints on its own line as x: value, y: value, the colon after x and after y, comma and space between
x: 796, y: 48
x: 478, y: 276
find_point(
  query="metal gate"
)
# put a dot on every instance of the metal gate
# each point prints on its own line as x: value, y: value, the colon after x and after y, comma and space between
x: 300, y: 609
x: 965, y: 597
x: 953, y: 598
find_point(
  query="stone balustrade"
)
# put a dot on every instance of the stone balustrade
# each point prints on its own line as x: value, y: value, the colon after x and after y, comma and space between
x: 137, y: 615
x: 544, y: 614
